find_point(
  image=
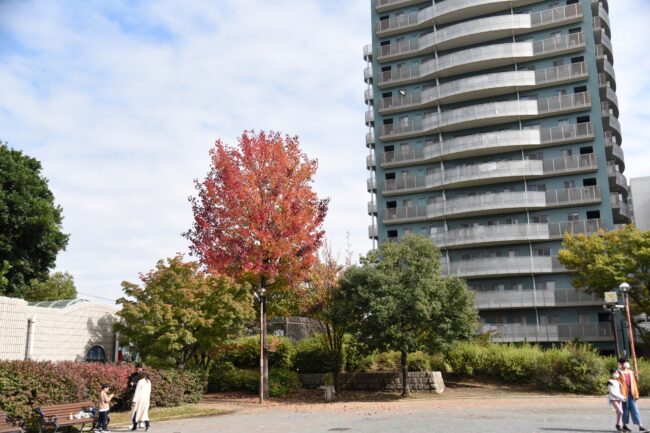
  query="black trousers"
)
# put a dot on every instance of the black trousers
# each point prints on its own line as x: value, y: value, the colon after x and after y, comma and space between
x: 103, y: 420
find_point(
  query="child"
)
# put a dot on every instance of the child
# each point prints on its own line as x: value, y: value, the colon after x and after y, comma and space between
x: 104, y: 402
x: 616, y: 398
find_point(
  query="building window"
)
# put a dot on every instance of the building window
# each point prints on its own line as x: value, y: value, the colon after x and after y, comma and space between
x: 96, y: 354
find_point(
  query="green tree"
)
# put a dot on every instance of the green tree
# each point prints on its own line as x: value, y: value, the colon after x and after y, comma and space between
x: 182, y: 315
x: 403, y: 303
x: 59, y: 285
x: 30, y: 223
x: 604, y: 260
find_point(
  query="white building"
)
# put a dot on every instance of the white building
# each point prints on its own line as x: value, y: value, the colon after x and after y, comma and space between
x: 640, y: 189
x: 70, y: 330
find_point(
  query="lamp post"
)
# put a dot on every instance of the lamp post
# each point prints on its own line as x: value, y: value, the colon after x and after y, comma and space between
x: 260, y: 295
x: 625, y: 288
x: 611, y: 306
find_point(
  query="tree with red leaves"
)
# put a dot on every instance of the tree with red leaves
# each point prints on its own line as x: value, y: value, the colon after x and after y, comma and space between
x: 256, y: 216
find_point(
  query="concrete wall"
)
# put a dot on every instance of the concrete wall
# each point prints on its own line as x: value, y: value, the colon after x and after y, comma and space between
x: 13, y: 328
x: 641, y: 201
x: 419, y: 381
x: 60, y: 334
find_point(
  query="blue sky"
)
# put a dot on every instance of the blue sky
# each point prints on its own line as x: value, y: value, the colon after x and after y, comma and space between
x: 121, y: 101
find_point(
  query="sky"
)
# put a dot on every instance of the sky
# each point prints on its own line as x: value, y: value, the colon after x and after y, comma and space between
x: 122, y: 100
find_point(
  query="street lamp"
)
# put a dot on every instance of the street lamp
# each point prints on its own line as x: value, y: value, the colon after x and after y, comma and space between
x: 260, y: 294
x: 625, y: 288
x: 611, y: 306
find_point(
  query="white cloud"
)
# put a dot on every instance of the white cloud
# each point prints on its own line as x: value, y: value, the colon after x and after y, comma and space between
x: 121, y: 102
x: 122, y: 113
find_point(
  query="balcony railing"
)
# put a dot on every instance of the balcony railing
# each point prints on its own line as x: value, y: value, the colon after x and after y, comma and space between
x: 493, y: 27
x: 535, y: 298
x: 490, y: 113
x: 493, y: 202
x: 372, y: 207
x: 621, y: 208
x: 550, y: 333
x: 480, y: 57
x: 617, y: 180
x: 381, y: 5
x: 367, y: 52
x: 467, y: 88
x: 368, y: 95
x: 370, y: 117
x: 367, y: 74
x: 492, y: 142
x: 373, y: 231
x: 492, y: 266
x: 508, y: 233
x: 490, y: 172
x: 370, y: 139
x: 614, y: 150
x: 370, y: 162
x: 371, y: 184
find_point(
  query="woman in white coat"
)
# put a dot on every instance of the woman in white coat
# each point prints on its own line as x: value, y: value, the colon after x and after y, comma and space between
x: 141, y: 400
x: 616, y: 398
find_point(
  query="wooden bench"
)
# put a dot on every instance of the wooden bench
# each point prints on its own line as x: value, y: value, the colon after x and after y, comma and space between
x: 10, y: 424
x: 56, y: 416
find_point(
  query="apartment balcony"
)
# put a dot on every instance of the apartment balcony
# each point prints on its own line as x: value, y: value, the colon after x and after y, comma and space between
x: 490, y: 143
x: 371, y: 184
x: 493, y: 203
x: 480, y: 30
x: 621, y: 210
x: 493, y: 113
x: 611, y: 97
x: 502, y: 266
x: 386, y: 5
x: 368, y: 96
x: 485, y: 57
x: 617, y: 181
x: 601, y: 20
x: 370, y: 117
x: 610, y: 122
x: 444, y: 12
x: 607, y: 92
x: 484, y: 86
x: 370, y: 162
x: 595, y: 4
x: 490, y: 173
x: 516, y: 333
x: 496, y: 300
x: 373, y: 232
x: 614, y: 151
x: 491, y: 235
x: 372, y: 207
x: 367, y: 74
x: 606, y: 43
x: 367, y: 53
x: 370, y: 139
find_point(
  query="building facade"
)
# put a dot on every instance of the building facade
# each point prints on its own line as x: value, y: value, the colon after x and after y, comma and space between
x: 640, y: 191
x: 493, y: 130
x: 73, y: 330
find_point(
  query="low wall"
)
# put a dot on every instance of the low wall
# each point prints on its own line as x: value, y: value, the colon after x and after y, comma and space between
x: 421, y: 381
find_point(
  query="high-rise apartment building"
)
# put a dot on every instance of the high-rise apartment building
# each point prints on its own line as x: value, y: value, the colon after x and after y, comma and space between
x: 493, y: 130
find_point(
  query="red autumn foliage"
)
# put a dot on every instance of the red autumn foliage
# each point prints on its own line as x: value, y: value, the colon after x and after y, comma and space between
x: 256, y: 215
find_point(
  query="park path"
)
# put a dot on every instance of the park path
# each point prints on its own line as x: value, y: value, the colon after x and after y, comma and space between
x: 485, y: 411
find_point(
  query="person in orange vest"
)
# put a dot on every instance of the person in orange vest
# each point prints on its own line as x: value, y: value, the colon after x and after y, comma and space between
x: 630, y: 391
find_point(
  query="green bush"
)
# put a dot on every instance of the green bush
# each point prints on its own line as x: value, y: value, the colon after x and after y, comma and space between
x: 438, y: 363
x: 225, y: 377
x: 418, y: 361
x: 24, y: 384
x: 312, y: 356
x: 245, y: 352
x: 355, y: 359
x: 573, y: 367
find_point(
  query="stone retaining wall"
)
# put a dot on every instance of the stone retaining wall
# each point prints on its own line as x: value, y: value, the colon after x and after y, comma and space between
x: 420, y: 381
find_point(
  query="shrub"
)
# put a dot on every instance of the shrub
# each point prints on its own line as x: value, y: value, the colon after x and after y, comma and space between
x: 312, y: 356
x: 573, y: 367
x: 24, y: 384
x: 245, y: 352
x: 418, y: 361
x: 386, y: 361
x: 225, y: 377
x: 438, y: 363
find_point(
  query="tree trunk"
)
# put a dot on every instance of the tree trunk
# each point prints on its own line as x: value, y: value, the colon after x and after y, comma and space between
x: 266, y: 360
x: 406, y: 389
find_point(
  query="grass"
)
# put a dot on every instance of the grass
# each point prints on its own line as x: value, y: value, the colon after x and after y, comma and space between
x: 167, y: 413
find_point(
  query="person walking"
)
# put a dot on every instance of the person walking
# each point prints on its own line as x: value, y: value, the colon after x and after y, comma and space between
x: 141, y: 400
x: 616, y: 398
x: 630, y: 391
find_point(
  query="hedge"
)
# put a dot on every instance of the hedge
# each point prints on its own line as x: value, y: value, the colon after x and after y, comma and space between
x: 225, y: 377
x: 25, y: 384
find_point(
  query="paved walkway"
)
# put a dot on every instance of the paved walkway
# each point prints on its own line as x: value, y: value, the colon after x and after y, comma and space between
x: 498, y: 414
